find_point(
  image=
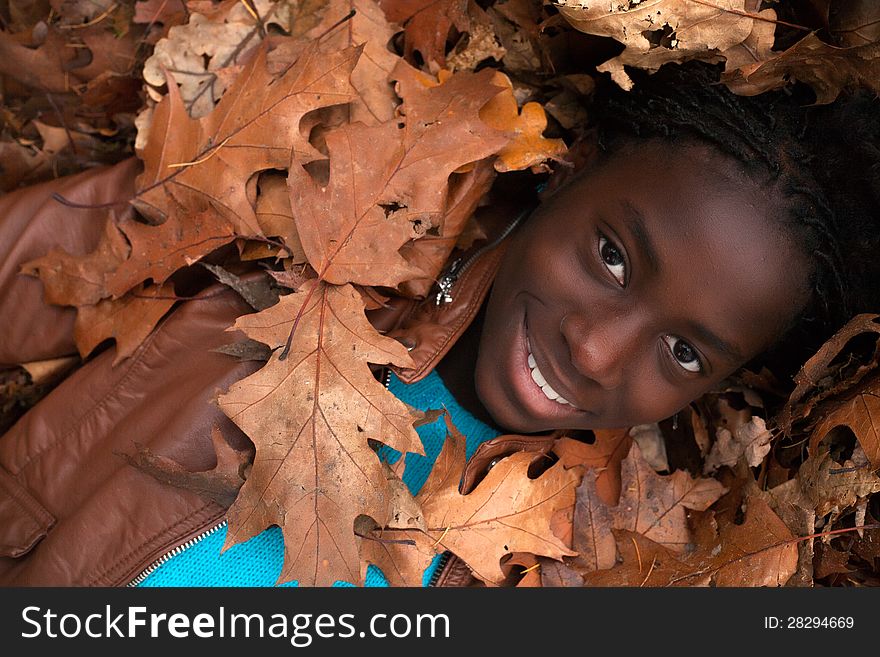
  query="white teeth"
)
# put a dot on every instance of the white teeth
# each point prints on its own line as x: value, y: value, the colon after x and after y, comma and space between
x: 538, y: 378
x: 541, y: 382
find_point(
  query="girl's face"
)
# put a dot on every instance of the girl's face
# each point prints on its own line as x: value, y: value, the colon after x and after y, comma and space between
x: 635, y: 289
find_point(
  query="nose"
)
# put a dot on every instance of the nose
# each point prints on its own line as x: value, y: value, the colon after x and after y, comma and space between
x: 601, y: 346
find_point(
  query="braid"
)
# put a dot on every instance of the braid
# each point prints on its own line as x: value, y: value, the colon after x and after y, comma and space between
x: 824, y: 159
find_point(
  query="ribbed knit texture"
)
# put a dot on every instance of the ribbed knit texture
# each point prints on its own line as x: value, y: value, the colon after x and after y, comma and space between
x: 258, y: 561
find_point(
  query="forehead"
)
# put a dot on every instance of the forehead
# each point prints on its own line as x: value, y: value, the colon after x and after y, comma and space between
x: 725, y: 257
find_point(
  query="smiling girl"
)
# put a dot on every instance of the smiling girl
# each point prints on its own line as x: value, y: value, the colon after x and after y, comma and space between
x: 699, y: 232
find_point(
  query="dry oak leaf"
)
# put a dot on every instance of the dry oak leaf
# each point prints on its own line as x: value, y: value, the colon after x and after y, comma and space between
x: 815, y: 380
x: 507, y: 512
x: 591, y: 529
x: 129, y: 253
x: 127, y: 320
x: 427, y: 25
x: 206, y: 163
x: 376, y: 101
x: 386, y: 179
x: 310, y: 417
x: 529, y: 147
x: 860, y: 411
x: 758, y: 46
x: 654, y: 505
x: 760, y: 552
x: 750, y: 440
x: 826, y: 68
x: 198, y: 52
x: 830, y: 487
x: 71, y: 280
x: 661, y: 31
x: 604, y: 455
x: 402, y: 555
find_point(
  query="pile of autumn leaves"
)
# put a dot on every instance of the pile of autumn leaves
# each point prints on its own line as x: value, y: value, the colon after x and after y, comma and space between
x: 357, y: 173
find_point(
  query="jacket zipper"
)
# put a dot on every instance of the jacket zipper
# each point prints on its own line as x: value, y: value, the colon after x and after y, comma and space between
x: 441, y: 566
x: 462, y: 264
x: 173, y: 553
x: 445, y: 556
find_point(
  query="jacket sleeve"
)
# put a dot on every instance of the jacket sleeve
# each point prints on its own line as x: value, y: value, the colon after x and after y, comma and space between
x: 32, y: 223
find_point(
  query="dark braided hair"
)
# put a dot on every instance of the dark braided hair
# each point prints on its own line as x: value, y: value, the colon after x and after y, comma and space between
x: 825, y: 160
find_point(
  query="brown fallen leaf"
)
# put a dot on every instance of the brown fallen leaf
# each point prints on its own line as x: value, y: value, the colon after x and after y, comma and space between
x: 220, y: 484
x: 199, y: 52
x: 310, y: 417
x: 654, y: 33
x: 355, y: 237
x: 128, y: 320
x: 275, y: 216
x: 427, y: 24
x: 604, y: 455
x: 206, y: 163
x: 819, y: 378
x: 507, y: 512
x: 826, y: 68
x: 859, y: 410
x: 831, y: 487
x: 654, y: 505
x: 591, y: 529
x: 760, y: 552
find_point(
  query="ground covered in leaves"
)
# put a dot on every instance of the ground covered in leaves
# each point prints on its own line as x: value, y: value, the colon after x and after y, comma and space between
x: 343, y: 145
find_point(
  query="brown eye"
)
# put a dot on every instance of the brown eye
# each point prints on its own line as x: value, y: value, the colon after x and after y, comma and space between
x: 613, y: 259
x: 684, y: 354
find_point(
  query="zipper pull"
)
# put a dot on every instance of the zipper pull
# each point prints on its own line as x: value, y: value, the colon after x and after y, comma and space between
x: 446, y: 282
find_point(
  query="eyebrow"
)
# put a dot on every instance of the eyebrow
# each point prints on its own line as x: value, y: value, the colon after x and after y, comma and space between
x: 635, y: 221
x: 716, y: 342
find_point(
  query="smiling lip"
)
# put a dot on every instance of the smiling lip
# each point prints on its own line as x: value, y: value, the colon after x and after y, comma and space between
x: 535, y: 398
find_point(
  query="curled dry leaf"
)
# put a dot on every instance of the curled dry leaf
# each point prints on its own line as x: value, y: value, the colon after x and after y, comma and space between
x: 831, y: 487
x: 818, y: 379
x: 507, y: 512
x: 826, y: 68
x: 654, y: 33
x: 427, y: 24
x: 860, y: 411
x: 750, y: 440
x: 197, y: 53
x: 310, y: 417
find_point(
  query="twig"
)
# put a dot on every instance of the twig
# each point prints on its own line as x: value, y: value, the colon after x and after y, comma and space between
x: 395, y: 541
x: 442, y: 536
x: 204, y: 159
x: 650, y: 570
x: 94, y: 21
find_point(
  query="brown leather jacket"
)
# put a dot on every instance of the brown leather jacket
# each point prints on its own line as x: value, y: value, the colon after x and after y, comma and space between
x: 72, y: 511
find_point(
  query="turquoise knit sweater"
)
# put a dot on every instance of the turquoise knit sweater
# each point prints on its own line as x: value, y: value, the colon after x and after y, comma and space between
x: 258, y: 561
